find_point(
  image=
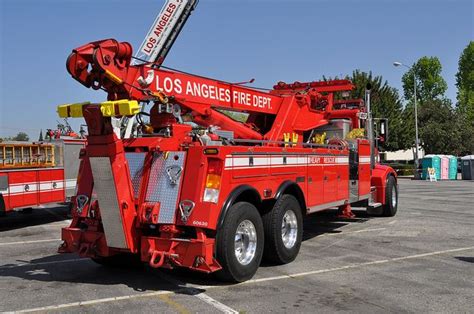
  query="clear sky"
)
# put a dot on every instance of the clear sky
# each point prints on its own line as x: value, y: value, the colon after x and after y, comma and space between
x: 233, y: 40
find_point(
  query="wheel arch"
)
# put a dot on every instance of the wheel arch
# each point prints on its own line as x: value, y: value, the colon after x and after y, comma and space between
x: 380, y: 175
x: 245, y: 193
x: 292, y: 188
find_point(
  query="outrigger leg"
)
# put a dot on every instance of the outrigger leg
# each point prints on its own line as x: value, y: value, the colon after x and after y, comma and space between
x: 345, y: 211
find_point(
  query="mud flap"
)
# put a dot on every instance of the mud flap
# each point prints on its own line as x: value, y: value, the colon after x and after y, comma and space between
x: 2, y: 206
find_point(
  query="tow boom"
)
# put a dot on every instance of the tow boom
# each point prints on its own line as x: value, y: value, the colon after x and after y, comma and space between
x: 164, y: 31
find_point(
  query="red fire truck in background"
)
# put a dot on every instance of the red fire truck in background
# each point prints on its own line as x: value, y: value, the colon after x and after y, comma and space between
x: 36, y: 174
x: 194, y: 187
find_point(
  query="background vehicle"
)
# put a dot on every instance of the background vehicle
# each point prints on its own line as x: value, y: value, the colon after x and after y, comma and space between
x: 36, y: 174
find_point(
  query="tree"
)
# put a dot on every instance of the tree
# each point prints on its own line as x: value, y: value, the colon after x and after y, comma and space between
x: 438, y: 124
x: 465, y: 99
x: 429, y: 82
x: 385, y: 103
x: 465, y: 83
x: 21, y: 136
x: 438, y: 128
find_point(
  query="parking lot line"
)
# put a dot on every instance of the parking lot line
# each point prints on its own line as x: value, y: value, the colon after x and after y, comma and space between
x: 213, y: 302
x: 357, y: 265
x: 29, y: 242
x: 225, y: 308
x: 351, y: 232
x: 177, y: 306
x: 44, y: 263
x: 197, y: 292
x: 92, y: 302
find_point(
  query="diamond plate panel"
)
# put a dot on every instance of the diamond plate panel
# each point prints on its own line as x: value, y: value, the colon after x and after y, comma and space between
x: 160, y: 188
x: 135, y: 165
x: 104, y: 186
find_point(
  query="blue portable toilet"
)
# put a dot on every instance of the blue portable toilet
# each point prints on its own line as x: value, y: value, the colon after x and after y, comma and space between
x: 453, y: 168
x: 431, y: 161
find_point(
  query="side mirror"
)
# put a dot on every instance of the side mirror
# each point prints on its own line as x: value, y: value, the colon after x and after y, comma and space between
x: 383, y: 131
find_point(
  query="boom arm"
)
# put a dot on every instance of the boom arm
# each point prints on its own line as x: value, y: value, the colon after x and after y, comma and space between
x: 289, y: 108
x: 165, y: 30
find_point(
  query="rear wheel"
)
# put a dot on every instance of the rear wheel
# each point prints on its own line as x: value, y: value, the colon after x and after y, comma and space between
x: 391, y: 198
x: 240, y: 243
x: 283, y: 227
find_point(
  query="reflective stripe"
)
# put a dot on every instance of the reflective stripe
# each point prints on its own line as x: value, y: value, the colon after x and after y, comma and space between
x: 33, y: 187
x: 256, y: 162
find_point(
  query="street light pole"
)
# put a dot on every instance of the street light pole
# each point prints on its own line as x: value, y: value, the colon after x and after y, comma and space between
x: 417, y: 162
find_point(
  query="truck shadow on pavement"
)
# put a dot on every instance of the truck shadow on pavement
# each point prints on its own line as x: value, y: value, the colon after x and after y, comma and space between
x: 63, y: 269
x: 33, y: 217
x: 327, y: 222
x: 467, y: 259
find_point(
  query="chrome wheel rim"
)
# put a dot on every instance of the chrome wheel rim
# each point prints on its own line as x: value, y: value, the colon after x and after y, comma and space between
x: 289, y: 229
x: 394, y: 197
x: 245, y: 242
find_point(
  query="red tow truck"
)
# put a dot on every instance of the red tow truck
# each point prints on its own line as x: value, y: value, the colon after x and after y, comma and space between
x: 36, y: 174
x: 217, y: 175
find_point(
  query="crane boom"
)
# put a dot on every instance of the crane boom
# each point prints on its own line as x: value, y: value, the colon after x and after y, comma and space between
x: 164, y: 31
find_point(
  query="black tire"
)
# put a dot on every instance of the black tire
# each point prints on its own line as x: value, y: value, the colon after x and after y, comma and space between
x: 391, y: 200
x: 232, y: 269
x: 119, y: 261
x: 275, y: 250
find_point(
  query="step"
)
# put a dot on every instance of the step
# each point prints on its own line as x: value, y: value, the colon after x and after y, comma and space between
x: 375, y: 205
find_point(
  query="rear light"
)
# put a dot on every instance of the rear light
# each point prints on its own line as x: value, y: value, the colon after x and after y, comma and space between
x: 213, y: 180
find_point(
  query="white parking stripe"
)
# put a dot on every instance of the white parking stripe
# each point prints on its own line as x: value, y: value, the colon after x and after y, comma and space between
x: 213, y: 302
x: 29, y: 242
x: 290, y: 276
x: 44, y: 263
x: 350, y: 232
x: 196, y: 291
x: 91, y: 302
x: 383, y: 261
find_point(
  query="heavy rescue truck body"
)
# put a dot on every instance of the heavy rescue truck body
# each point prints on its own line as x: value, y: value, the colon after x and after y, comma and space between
x: 37, y: 174
x: 198, y: 189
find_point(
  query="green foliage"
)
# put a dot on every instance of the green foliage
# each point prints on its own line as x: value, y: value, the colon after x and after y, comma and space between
x: 429, y: 82
x: 439, y: 128
x: 385, y: 104
x: 465, y: 99
x: 21, y: 136
x: 465, y: 83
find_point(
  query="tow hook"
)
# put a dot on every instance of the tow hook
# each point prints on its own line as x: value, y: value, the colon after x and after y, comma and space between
x: 157, y: 259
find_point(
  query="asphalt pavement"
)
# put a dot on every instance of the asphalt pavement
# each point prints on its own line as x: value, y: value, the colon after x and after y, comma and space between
x: 421, y: 260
